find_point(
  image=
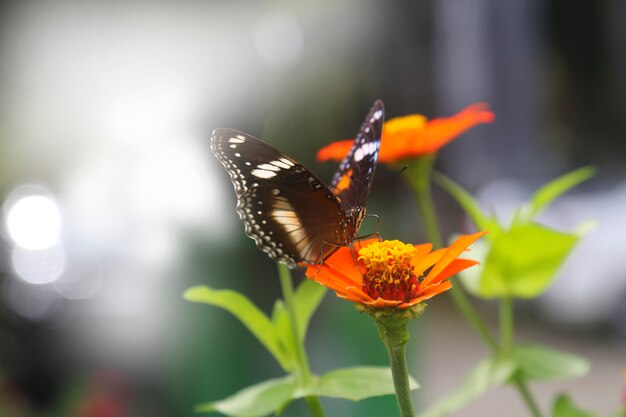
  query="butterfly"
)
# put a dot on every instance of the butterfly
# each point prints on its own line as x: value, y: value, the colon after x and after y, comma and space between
x: 285, y: 208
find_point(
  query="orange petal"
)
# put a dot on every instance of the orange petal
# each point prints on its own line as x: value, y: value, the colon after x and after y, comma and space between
x: 421, y: 251
x: 340, y: 273
x: 415, y: 142
x: 421, y: 265
x: 343, y: 262
x: 350, y: 297
x: 381, y: 303
x: 329, y: 278
x: 411, y: 136
x: 442, y: 130
x: 336, y: 150
x: 398, y: 146
x: 454, y: 268
x: 451, y: 253
x: 359, y: 294
x: 428, y: 293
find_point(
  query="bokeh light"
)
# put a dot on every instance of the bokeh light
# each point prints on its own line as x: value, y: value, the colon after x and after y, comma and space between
x: 33, y: 222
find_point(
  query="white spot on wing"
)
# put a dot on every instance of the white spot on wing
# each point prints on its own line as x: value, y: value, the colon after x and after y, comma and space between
x: 364, y: 150
x: 268, y: 167
x: 280, y: 164
x: 286, y: 161
x: 261, y: 173
x: 238, y: 139
x: 377, y: 115
x: 288, y: 219
x: 286, y: 213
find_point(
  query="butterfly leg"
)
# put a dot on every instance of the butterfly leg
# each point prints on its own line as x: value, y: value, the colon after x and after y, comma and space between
x: 377, y: 222
x: 335, y: 247
x: 354, y: 251
x: 376, y: 234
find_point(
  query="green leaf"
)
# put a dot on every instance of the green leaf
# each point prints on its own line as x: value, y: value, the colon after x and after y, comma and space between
x: 274, y: 395
x: 249, y: 315
x: 282, y: 329
x: 254, y: 401
x: 307, y: 298
x: 467, y: 202
x: 524, y: 260
x: 489, y: 373
x: 357, y: 383
x: 555, y: 188
x: 564, y: 407
x: 540, y: 363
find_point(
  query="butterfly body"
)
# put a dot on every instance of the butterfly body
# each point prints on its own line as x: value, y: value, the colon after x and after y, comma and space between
x: 286, y: 209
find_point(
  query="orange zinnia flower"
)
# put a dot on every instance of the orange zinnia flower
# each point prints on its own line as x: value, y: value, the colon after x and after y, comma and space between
x: 413, y: 136
x: 392, y: 273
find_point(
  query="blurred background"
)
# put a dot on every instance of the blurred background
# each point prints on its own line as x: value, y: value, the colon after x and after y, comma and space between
x: 112, y: 204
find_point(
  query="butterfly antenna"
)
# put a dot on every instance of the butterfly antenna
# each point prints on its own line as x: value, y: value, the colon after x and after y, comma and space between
x: 390, y: 180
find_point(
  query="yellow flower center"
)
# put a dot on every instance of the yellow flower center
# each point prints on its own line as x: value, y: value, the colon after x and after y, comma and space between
x: 388, y: 270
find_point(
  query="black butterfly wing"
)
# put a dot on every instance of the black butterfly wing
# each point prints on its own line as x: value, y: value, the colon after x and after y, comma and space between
x: 285, y: 208
x: 354, y: 177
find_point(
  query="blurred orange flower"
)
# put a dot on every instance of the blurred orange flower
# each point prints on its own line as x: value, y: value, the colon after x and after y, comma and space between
x: 392, y: 273
x: 413, y: 135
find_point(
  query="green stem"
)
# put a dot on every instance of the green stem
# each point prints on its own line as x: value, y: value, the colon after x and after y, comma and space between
x: 418, y: 175
x: 506, y: 346
x: 315, y: 405
x: 394, y: 334
x: 304, y: 371
x: 521, y: 386
x: 506, y: 324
